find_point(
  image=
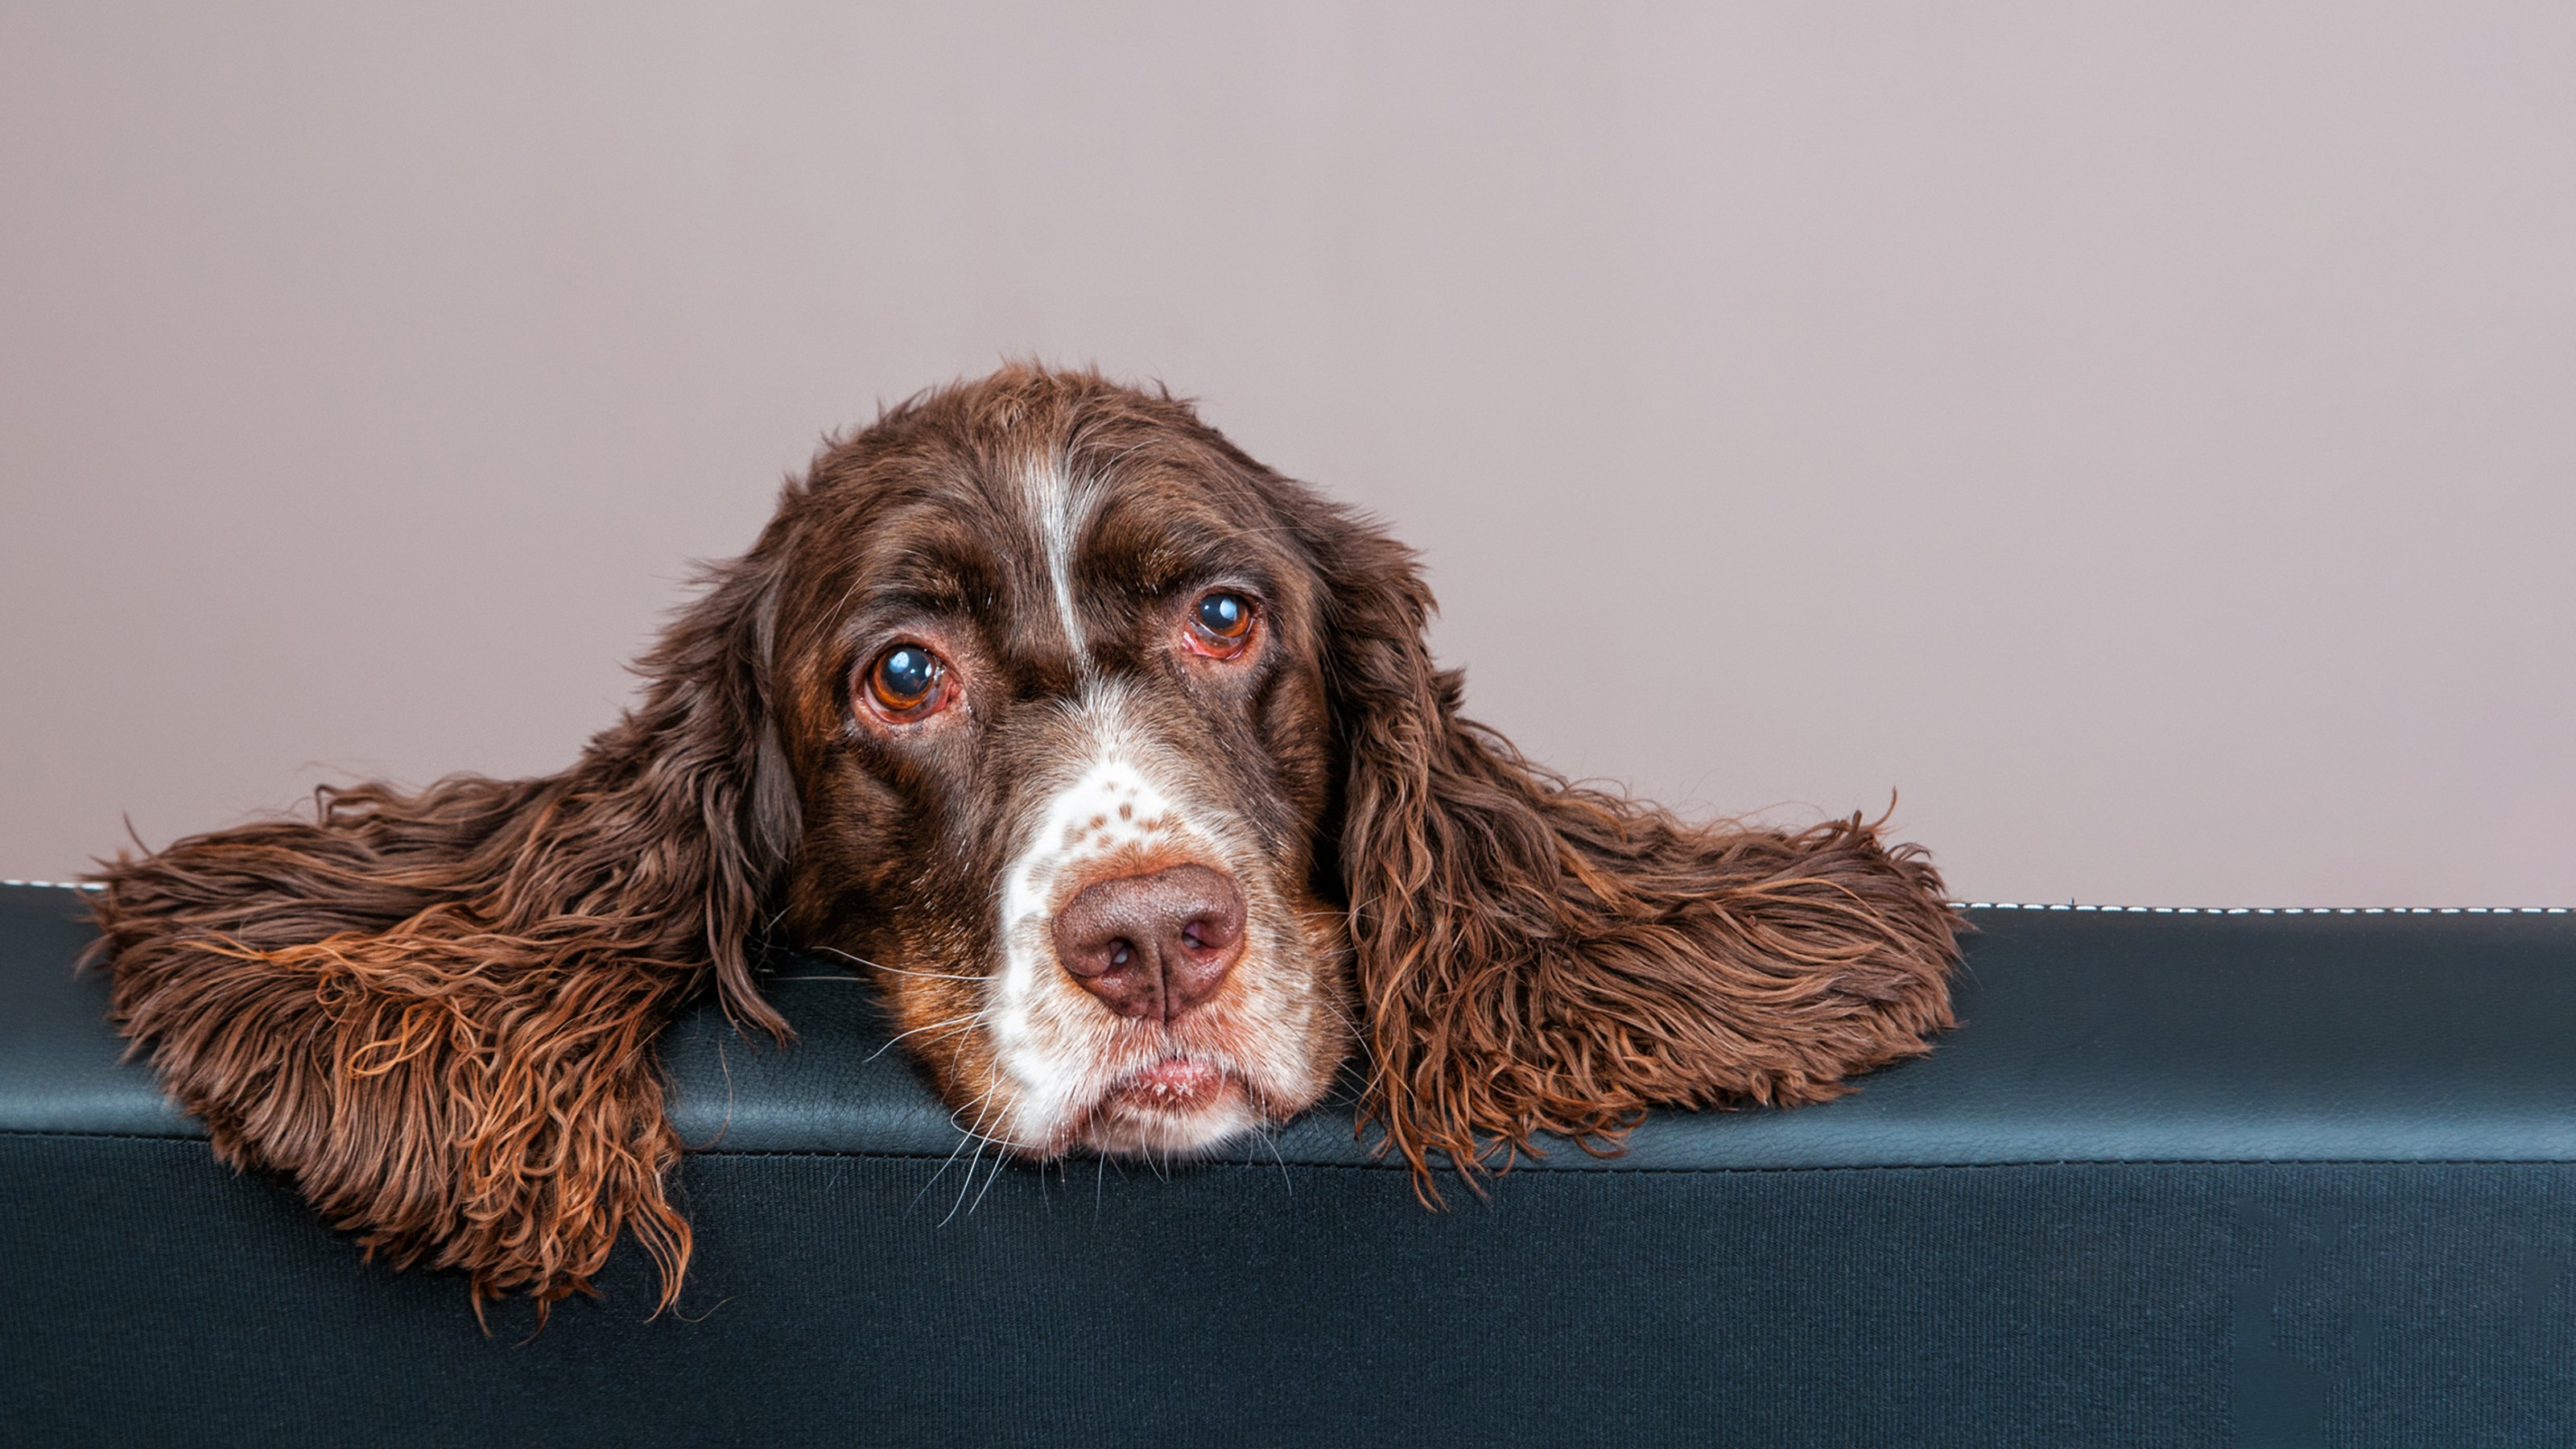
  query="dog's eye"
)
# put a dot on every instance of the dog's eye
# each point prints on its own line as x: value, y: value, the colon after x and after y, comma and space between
x: 1220, y: 623
x: 908, y: 682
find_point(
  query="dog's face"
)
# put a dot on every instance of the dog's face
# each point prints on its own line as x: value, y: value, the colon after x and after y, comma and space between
x: 1049, y: 683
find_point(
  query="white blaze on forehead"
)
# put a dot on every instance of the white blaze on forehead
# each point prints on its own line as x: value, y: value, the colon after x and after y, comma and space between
x: 1059, y: 505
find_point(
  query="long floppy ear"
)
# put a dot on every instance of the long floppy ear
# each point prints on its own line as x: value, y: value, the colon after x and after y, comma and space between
x: 1535, y: 957
x: 434, y: 1012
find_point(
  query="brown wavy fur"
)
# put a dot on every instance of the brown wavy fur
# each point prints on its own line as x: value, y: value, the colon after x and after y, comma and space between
x: 434, y: 1012
x: 1535, y: 957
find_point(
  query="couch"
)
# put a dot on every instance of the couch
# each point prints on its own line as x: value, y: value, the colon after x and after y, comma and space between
x: 2179, y: 1177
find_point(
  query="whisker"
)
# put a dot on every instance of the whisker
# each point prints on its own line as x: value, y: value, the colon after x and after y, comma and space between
x: 980, y: 1135
x: 952, y: 1152
x: 1272, y: 1142
x: 895, y: 970
x: 989, y: 1179
x: 954, y: 1023
x: 967, y: 1181
x: 974, y: 1133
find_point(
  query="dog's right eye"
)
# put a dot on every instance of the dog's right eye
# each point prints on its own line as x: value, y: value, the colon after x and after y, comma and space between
x: 908, y: 682
x: 1220, y: 624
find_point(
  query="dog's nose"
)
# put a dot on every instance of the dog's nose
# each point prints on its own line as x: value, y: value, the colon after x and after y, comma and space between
x: 1153, y: 946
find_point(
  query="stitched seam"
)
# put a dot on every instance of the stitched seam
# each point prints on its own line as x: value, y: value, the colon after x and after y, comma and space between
x: 2262, y: 910
x: 1527, y: 1167
x: 104, y: 1136
x: 60, y: 885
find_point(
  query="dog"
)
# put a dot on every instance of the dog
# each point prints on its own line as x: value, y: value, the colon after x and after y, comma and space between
x: 1119, y: 762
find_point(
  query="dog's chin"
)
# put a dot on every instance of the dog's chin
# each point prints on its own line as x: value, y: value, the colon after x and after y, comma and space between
x: 1179, y: 1106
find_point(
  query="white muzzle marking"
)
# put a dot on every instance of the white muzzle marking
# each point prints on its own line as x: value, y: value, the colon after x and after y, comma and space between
x: 1047, y: 1030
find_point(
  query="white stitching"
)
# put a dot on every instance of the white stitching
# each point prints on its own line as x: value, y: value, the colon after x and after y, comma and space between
x: 87, y: 885
x: 2264, y: 910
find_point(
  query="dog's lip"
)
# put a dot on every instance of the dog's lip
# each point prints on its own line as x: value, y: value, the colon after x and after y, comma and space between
x: 1176, y: 1082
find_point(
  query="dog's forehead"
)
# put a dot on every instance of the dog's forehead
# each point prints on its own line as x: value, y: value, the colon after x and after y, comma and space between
x: 1042, y: 541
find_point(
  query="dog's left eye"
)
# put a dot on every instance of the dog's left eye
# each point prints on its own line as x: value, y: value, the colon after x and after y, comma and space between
x: 1220, y: 623
x: 908, y: 682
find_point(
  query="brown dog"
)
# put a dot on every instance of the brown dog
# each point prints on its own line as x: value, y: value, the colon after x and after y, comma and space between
x: 1119, y: 761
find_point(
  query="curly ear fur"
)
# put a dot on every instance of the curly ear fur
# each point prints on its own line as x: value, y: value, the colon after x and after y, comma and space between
x: 433, y: 1012
x: 1535, y: 957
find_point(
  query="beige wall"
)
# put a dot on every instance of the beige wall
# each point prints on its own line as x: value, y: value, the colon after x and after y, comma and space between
x: 2144, y: 434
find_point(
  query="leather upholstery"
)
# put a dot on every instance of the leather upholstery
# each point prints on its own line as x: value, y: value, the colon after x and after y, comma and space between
x: 2178, y: 1178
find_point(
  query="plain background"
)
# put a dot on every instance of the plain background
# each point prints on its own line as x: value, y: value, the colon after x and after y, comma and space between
x: 2143, y: 435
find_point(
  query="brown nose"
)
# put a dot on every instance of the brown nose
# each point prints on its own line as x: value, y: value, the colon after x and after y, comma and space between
x: 1153, y: 946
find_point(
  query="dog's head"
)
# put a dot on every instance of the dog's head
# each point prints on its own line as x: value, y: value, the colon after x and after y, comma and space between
x: 1115, y: 759
x: 1052, y: 674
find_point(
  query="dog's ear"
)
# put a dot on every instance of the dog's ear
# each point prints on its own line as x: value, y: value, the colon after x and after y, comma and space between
x: 1536, y: 957
x: 434, y: 1012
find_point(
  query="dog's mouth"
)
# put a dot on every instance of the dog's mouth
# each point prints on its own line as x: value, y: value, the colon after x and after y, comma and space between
x: 1177, y: 1084
x: 1177, y: 1103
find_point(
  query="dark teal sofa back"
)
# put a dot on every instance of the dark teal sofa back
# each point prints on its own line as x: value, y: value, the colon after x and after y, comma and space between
x: 2179, y: 1178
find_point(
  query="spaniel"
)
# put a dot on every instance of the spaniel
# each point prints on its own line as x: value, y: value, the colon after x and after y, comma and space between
x: 1120, y: 762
